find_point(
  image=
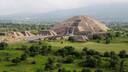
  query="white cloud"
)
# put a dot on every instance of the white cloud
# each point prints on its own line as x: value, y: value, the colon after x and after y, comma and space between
x: 14, y: 6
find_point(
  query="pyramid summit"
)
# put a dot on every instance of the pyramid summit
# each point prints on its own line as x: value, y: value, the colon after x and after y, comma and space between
x: 80, y: 25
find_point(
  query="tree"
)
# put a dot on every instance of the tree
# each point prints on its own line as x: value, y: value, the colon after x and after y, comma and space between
x: 89, y: 62
x: 23, y: 56
x: 87, y: 51
x: 16, y: 60
x: 113, y: 54
x: 68, y: 59
x: 3, y: 45
x: 122, y: 66
x: 74, y: 71
x: 113, y: 61
x: 39, y: 70
x: 45, y: 50
x: 106, y: 54
x: 84, y: 51
x: 122, y: 54
x: 85, y: 70
x: 49, y: 65
x: 62, y: 70
x: 67, y: 50
x: 34, y: 50
x: 99, y: 70
x: 108, y: 38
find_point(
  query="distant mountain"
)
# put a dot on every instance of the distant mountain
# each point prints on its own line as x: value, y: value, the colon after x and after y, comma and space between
x: 116, y: 12
x: 106, y: 13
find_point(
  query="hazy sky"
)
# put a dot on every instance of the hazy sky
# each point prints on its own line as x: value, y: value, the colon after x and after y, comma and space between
x: 35, y: 6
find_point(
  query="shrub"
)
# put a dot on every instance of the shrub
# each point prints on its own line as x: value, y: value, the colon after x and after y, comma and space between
x: 68, y: 59
x: 89, y: 62
x: 86, y: 51
x: 67, y: 50
x: 23, y: 56
x: 99, y: 70
x: 85, y: 70
x: 3, y: 45
x: 49, y: 65
x: 33, y: 62
x: 34, y: 50
x: 122, y: 54
x: 16, y: 60
x: 39, y: 70
x: 106, y: 54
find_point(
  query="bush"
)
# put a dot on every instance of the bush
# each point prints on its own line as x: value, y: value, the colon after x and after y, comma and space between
x: 3, y: 45
x: 45, y: 50
x: 16, y: 60
x: 23, y: 56
x: 68, y: 59
x: 123, y: 54
x: 90, y: 52
x: 62, y: 70
x: 67, y: 50
x: 34, y: 50
x: 33, y: 62
x: 99, y: 70
x: 89, y: 62
x: 49, y: 65
x: 85, y: 70
x: 39, y: 70
x: 106, y: 54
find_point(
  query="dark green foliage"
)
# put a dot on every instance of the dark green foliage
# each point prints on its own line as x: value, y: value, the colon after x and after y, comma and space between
x: 123, y: 54
x: 23, y: 56
x: 112, y: 54
x: 99, y: 70
x: 34, y: 50
x: 3, y: 45
x: 23, y: 27
x: 87, y: 51
x: 107, y: 40
x: 7, y: 57
x: 33, y: 62
x: 77, y: 55
x: 114, y: 61
x: 98, y: 40
x: 117, y: 34
x: 45, y: 50
x: 122, y: 66
x: 86, y: 70
x: 67, y: 50
x: 49, y: 65
x: 68, y: 59
x: 62, y: 70
x: 89, y: 62
x: 106, y: 54
x: 16, y: 60
x: 39, y: 70
x: 71, y: 39
x: 74, y: 71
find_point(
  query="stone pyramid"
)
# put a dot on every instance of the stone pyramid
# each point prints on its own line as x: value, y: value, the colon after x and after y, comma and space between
x: 80, y: 25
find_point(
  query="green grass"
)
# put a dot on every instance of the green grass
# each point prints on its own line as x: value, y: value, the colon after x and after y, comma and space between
x: 101, y: 47
x: 26, y: 66
x: 92, y: 45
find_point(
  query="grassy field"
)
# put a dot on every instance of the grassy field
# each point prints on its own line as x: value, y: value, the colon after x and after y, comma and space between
x: 92, y: 45
x: 27, y: 66
x: 116, y: 45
